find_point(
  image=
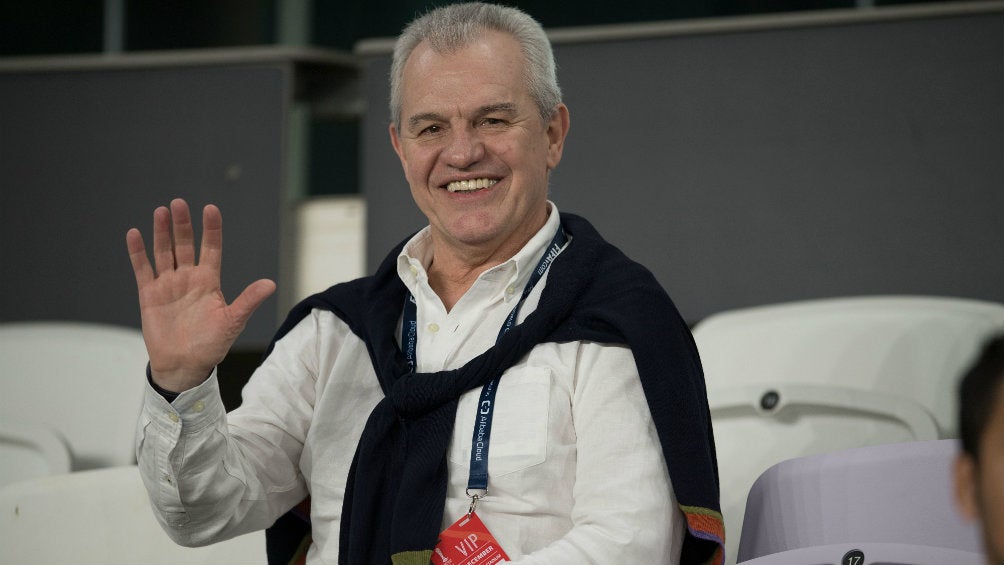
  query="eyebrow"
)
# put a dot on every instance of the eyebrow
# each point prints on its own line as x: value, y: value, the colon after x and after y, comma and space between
x: 504, y: 107
x: 508, y: 108
x: 423, y: 117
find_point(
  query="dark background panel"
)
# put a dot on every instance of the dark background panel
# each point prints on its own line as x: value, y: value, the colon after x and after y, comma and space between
x: 753, y: 167
x: 85, y: 155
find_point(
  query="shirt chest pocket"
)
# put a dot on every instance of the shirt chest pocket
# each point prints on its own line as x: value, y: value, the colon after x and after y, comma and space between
x: 519, y: 423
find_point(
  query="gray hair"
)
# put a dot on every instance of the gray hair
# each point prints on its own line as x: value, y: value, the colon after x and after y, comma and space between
x: 450, y: 28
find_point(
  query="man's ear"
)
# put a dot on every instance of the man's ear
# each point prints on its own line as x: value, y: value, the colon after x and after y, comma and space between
x: 966, y: 476
x: 395, y: 141
x: 557, y: 130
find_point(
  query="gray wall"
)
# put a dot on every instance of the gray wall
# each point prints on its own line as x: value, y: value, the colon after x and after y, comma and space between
x: 743, y: 167
x: 766, y: 165
x: 87, y: 154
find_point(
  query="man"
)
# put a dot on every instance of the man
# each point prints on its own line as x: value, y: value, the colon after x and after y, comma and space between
x: 506, y: 383
x: 979, y: 467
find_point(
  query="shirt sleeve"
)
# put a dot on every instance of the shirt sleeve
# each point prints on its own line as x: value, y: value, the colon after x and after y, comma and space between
x: 212, y: 476
x: 624, y: 509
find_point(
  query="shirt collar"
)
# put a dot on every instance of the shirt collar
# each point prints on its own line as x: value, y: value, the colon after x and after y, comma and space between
x: 508, y: 278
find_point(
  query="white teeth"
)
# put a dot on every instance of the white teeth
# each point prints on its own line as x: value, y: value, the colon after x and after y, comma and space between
x: 469, y: 185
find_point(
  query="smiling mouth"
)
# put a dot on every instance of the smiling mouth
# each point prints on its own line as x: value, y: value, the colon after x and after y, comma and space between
x: 468, y: 186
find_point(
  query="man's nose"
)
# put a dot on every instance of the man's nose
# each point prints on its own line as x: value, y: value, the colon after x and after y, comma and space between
x: 465, y: 148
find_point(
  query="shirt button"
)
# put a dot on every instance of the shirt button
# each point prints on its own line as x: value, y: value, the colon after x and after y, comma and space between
x: 173, y: 417
x: 433, y: 328
x: 413, y: 269
x: 199, y: 406
x: 167, y: 479
x: 510, y: 290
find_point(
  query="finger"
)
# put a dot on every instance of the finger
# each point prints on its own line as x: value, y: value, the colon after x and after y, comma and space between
x: 184, y: 234
x: 137, y: 256
x: 163, y: 249
x: 249, y: 300
x: 211, y: 254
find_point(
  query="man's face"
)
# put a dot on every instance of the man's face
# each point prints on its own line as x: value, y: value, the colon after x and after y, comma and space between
x: 980, y: 485
x: 473, y: 146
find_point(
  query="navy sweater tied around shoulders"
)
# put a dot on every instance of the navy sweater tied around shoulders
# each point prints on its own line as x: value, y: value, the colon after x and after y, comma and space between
x: 396, y: 488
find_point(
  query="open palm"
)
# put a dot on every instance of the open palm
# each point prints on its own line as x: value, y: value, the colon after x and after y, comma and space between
x: 187, y: 324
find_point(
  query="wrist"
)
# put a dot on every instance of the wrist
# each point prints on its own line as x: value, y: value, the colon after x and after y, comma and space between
x: 176, y: 382
x: 168, y: 395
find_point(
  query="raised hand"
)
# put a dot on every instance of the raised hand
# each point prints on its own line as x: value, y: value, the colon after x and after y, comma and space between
x: 187, y: 324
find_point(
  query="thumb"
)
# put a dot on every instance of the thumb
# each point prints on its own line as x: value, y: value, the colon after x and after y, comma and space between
x: 249, y: 300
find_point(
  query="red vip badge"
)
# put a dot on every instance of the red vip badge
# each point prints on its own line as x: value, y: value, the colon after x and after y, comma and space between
x: 468, y: 542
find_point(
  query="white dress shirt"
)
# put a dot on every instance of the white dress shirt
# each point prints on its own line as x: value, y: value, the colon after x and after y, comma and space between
x: 576, y: 471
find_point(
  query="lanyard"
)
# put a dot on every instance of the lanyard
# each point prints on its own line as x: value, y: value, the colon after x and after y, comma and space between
x: 486, y: 407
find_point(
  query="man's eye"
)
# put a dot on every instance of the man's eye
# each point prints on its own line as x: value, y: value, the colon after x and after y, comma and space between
x: 492, y: 122
x: 431, y: 130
